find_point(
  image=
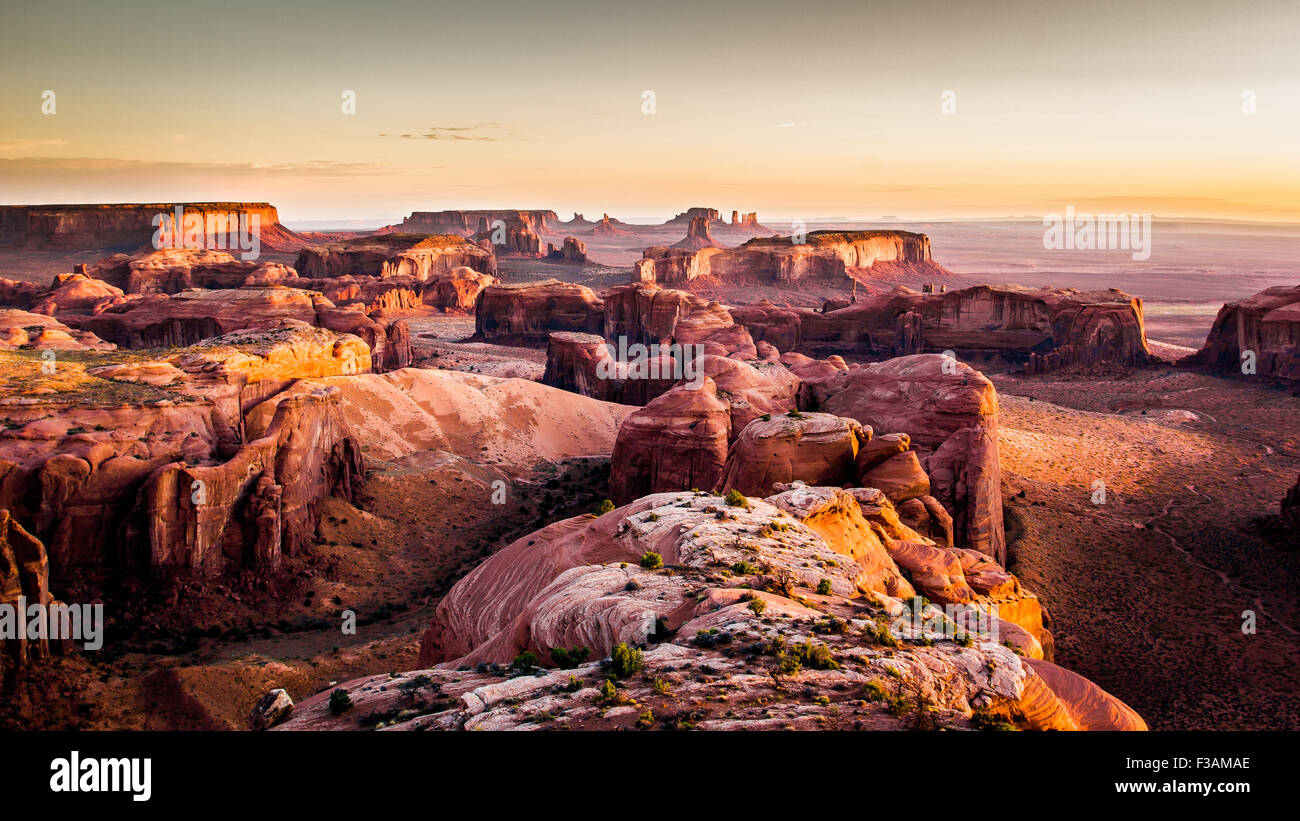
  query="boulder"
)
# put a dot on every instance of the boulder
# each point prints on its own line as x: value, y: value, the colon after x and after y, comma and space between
x: 678, y: 441
x: 815, y: 448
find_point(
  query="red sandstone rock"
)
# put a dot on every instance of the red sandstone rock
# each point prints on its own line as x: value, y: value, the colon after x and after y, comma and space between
x: 1266, y: 324
x: 25, y: 576
x: 104, y: 226
x: 698, y: 235
x: 949, y: 410
x: 815, y: 448
x: 827, y: 255
x: 387, y: 255
x: 573, y: 250
x: 76, y: 293
x: 900, y: 477
x: 527, y: 313
x: 20, y: 329
x: 676, y: 442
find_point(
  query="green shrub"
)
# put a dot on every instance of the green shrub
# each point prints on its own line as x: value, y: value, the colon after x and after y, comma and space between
x: 624, y: 660
x: 757, y: 606
x: 651, y: 560
x: 818, y: 657
x: 340, y: 702
x: 736, y: 499
x: 524, y: 662
x: 568, y: 659
x: 604, y: 507
x: 662, y: 687
x: 824, y: 587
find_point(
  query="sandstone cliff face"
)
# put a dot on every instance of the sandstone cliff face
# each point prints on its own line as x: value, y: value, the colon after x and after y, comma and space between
x: 950, y: 412
x: 576, y: 583
x: 470, y: 221
x: 104, y: 226
x: 183, y: 319
x: 824, y: 255
x: 527, y: 313
x: 25, y: 576
x: 172, y: 271
x: 1267, y: 324
x: 678, y: 441
x: 259, y: 505
x: 1042, y: 328
x: 583, y: 363
x: 814, y: 448
x: 120, y: 452
x: 393, y: 255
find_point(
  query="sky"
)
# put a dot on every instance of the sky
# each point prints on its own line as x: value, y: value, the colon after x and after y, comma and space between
x: 792, y: 109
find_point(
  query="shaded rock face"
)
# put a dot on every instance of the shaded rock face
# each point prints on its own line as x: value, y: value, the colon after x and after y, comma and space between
x: 1043, y: 328
x: 584, y: 364
x: 527, y: 313
x: 829, y: 255
x: 112, y: 483
x: 104, y: 226
x: 456, y: 290
x: 259, y: 505
x: 572, y: 250
x: 25, y: 576
x: 950, y: 412
x: 22, y: 295
x: 76, y: 292
x: 389, y: 255
x: 1266, y: 325
x: 184, y: 319
x: 576, y: 583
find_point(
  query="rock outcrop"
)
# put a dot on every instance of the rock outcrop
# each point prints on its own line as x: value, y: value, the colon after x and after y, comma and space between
x: 134, y: 225
x: 676, y: 442
x: 471, y: 221
x: 20, y: 329
x: 824, y: 255
x: 814, y: 448
x: 527, y: 313
x: 1043, y: 329
x: 1259, y: 335
x: 698, y: 235
x: 950, y: 413
x: 806, y: 625
x: 571, y: 250
x: 194, y: 463
x: 24, y: 581
x: 418, y: 256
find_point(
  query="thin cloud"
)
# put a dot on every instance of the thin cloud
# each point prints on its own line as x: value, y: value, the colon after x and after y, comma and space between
x: 460, y: 133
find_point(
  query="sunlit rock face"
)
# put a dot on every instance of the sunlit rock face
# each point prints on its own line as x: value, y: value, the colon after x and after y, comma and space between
x: 133, y: 225
x: 194, y: 463
x: 744, y: 583
x: 390, y: 255
x: 831, y: 255
x: 466, y: 222
x: 1042, y: 328
x: 1259, y: 335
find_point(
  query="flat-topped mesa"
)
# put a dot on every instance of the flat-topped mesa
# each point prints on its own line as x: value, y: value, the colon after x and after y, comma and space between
x: 386, y: 255
x: 466, y: 222
x: 710, y: 215
x: 1043, y: 328
x: 1259, y: 335
x: 189, y: 463
x: 527, y: 313
x: 824, y: 255
x: 134, y: 225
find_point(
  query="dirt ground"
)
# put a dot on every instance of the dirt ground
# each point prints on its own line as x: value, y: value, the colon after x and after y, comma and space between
x: 1147, y: 590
